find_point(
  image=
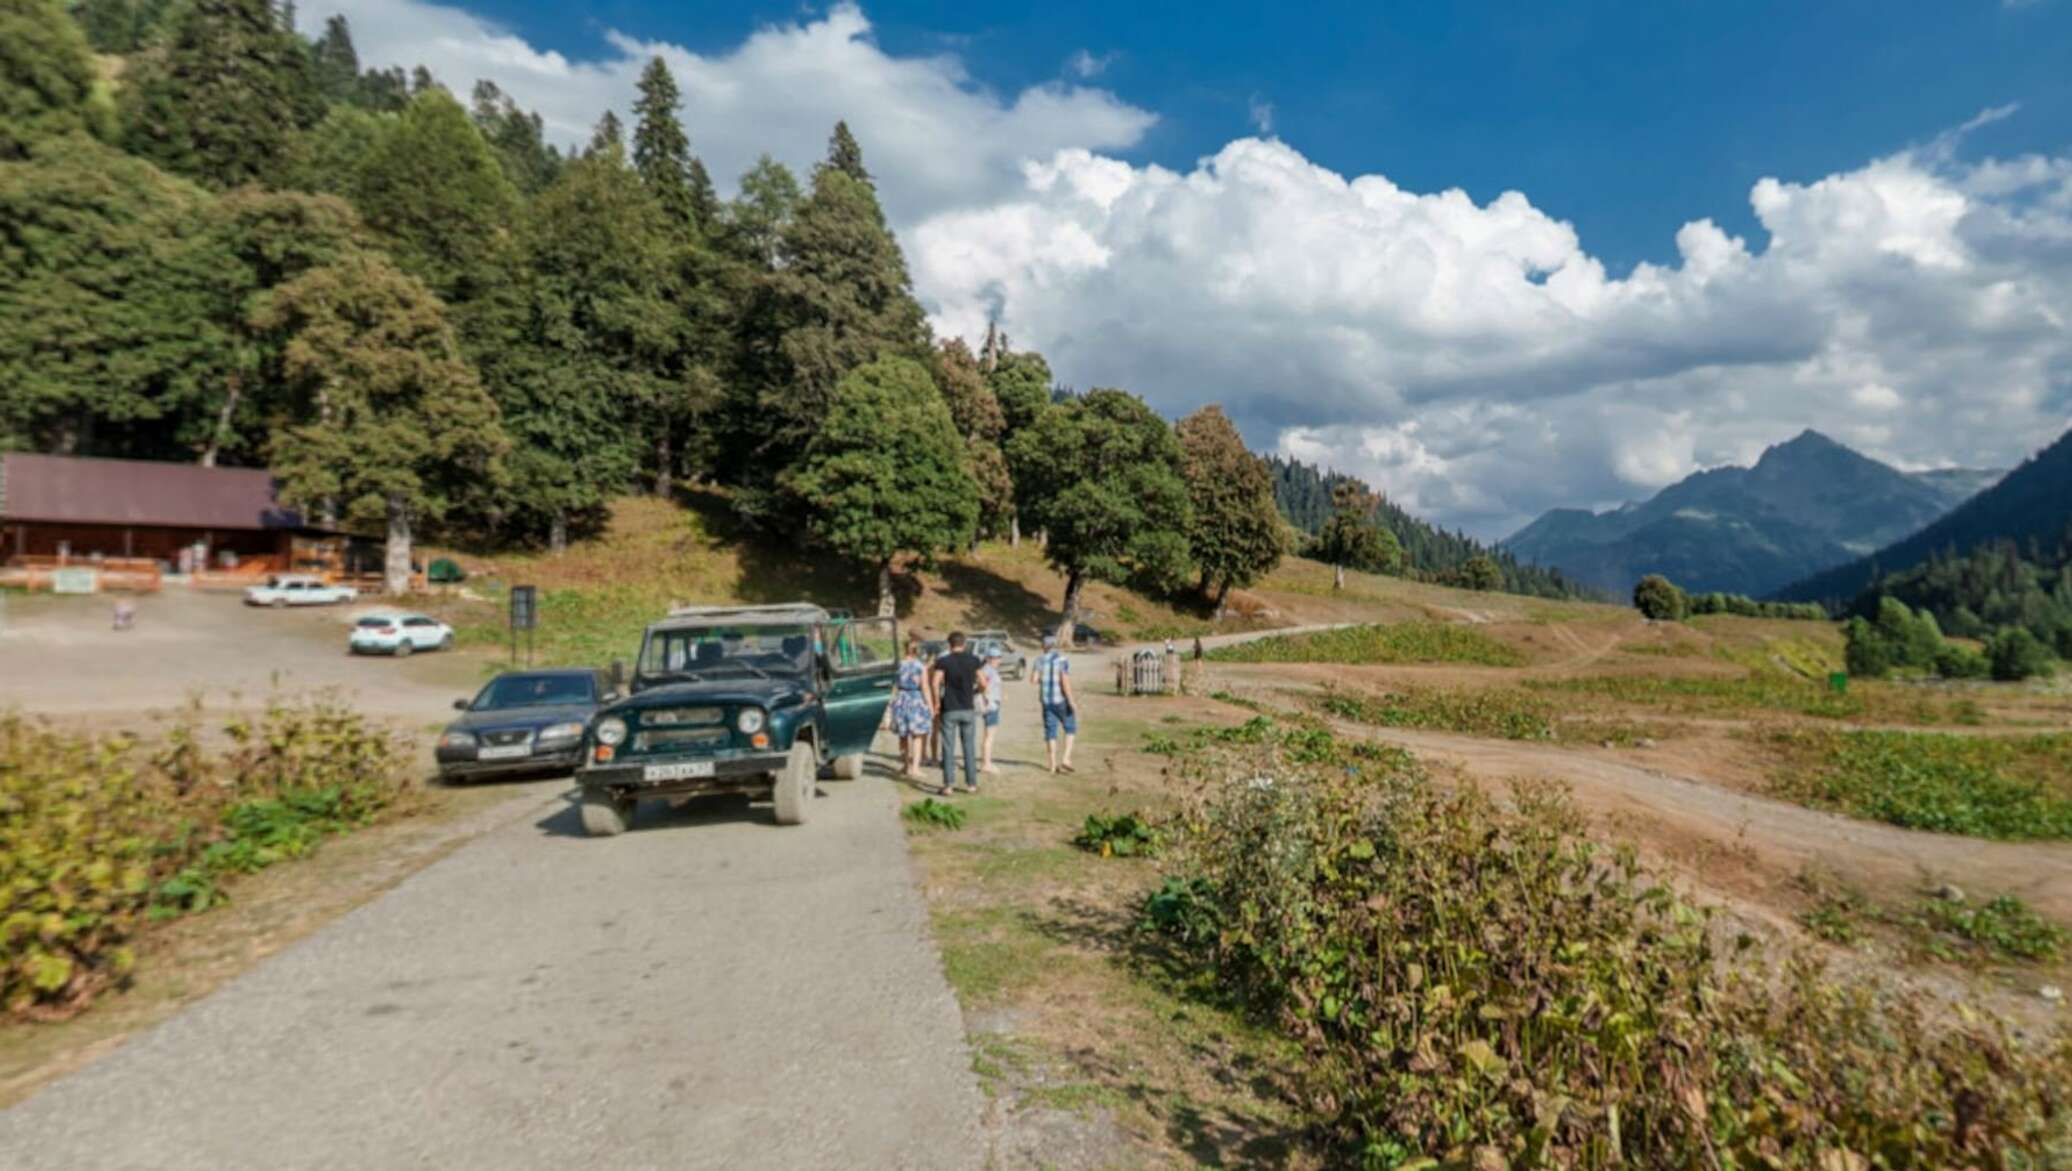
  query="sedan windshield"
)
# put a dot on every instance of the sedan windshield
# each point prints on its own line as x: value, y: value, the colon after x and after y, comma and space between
x: 533, y: 691
x: 715, y: 651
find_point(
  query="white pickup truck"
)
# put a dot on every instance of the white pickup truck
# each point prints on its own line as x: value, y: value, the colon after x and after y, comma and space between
x: 298, y: 590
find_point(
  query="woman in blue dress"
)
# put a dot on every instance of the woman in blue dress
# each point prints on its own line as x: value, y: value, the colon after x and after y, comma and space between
x: 912, y: 714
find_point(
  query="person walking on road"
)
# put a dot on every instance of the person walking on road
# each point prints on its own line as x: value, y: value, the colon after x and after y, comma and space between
x: 990, y: 702
x: 912, y: 715
x: 1053, y: 677
x: 957, y: 690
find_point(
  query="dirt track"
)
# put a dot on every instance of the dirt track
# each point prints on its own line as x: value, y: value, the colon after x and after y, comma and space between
x: 1781, y: 838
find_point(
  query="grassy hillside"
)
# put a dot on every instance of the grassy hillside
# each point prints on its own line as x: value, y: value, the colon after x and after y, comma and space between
x: 596, y: 597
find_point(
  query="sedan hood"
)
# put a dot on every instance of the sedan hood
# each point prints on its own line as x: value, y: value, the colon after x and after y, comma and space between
x: 538, y: 716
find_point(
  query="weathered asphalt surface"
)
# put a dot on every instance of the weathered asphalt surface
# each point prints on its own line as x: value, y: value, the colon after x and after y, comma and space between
x: 708, y: 990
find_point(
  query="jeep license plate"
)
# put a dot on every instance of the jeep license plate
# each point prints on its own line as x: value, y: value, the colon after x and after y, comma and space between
x: 503, y: 752
x: 677, y: 772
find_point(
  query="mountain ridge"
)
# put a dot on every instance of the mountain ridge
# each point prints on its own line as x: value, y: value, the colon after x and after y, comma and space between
x: 2031, y: 504
x: 1806, y: 503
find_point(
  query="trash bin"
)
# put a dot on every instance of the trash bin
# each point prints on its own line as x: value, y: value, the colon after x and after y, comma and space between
x: 1838, y: 681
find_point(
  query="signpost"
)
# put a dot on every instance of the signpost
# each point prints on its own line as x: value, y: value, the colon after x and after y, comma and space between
x: 525, y: 616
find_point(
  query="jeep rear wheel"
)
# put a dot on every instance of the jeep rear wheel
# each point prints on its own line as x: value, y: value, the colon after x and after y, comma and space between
x: 605, y: 814
x: 848, y: 768
x: 794, y: 788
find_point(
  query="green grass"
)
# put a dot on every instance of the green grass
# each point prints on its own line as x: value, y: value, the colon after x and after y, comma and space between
x: 2003, y: 928
x: 1400, y: 642
x: 1496, y: 712
x: 1999, y: 787
x: 1773, y: 691
x: 992, y: 953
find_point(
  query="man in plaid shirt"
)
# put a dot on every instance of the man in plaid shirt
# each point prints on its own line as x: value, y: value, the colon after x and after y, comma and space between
x: 1053, y: 679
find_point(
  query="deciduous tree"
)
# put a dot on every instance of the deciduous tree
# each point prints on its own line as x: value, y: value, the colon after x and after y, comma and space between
x: 46, y: 77
x: 1237, y: 533
x: 580, y: 351
x: 433, y: 189
x: 102, y: 310
x: 1352, y: 538
x: 1100, y: 475
x: 393, y: 425
x: 885, y: 474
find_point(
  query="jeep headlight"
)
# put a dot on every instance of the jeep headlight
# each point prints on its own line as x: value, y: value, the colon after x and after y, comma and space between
x: 567, y: 731
x: 611, y: 731
x: 457, y: 739
x: 750, y: 721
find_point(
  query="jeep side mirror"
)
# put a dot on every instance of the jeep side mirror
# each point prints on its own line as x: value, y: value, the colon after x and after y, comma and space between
x: 460, y: 705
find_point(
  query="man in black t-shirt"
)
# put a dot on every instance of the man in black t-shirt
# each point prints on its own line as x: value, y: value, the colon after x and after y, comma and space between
x: 956, y: 689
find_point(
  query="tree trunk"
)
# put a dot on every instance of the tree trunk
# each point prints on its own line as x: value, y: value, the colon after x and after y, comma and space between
x: 887, y: 604
x: 557, y: 532
x: 1338, y: 577
x: 1014, y: 532
x: 1222, y: 598
x: 221, y: 433
x: 663, y: 459
x: 1073, y: 584
x: 396, y: 567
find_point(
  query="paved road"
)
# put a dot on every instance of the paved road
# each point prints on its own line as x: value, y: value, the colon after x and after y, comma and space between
x: 706, y: 991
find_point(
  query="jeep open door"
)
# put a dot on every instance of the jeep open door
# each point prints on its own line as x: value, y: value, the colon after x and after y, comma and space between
x: 863, y: 664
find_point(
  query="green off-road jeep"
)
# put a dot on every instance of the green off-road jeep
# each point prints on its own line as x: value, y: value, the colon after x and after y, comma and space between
x: 740, y: 699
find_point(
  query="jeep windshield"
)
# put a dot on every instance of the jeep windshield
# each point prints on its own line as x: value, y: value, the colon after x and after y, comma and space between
x: 704, y: 653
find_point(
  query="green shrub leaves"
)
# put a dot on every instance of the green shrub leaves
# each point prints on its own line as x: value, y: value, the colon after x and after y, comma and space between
x: 99, y: 835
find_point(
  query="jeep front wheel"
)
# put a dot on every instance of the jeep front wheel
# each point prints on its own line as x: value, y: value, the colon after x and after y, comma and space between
x: 794, y: 788
x: 606, y: 814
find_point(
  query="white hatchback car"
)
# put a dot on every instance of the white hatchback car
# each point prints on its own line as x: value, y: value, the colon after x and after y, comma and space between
x: 298, y: 590
x: 398, y: 634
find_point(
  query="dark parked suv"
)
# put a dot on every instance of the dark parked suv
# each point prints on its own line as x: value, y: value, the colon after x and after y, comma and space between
x: 754, y: 699
x: 523, y: 721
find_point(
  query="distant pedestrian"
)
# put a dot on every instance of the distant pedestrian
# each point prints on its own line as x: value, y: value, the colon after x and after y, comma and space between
x: 1053, y: 678
x: 912, y: 715
x: 990, y: 702
x: 956, y: 686
x: 1197, y: 648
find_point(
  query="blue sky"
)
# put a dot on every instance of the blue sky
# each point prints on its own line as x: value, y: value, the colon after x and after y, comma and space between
x: 1625, y: 118
x: 1495, y: 259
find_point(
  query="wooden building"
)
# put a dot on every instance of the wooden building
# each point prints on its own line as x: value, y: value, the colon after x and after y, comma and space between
x: 70, y: 509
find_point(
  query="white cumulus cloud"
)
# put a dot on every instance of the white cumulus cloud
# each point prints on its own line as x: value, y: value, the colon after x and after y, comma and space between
x: 938, y: 136
x: 1473, y: 359
x: 1477, y: 362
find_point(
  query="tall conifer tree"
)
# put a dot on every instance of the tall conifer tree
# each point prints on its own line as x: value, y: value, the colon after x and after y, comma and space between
x: 661, y: 150
x: 226, y: 99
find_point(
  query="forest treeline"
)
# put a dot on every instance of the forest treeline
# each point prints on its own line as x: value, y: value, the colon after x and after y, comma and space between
x: 1309, y: 496
x: 224, y: 242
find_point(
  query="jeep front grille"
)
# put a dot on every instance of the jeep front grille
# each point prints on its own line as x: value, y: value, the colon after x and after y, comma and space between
x: 666, y: 739
x: 672, y: 716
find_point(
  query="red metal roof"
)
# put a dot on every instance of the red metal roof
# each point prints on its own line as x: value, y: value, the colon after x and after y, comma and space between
x: 71, y: 490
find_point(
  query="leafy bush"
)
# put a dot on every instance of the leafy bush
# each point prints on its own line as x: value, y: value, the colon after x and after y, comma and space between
x: 1182, y: 908
x: 1474, y: 983
x: 1658, y: 599
x: 1741, y: 605
x: 1119, y: 835
x: 2016, y: 655
x: 1510, y: 715
x: 2003, y: 927
x: 1956, y: 662
x: 1421, y: 641
x: 99, y: 835
x: 932, y: 814
x: 1990, y: 787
